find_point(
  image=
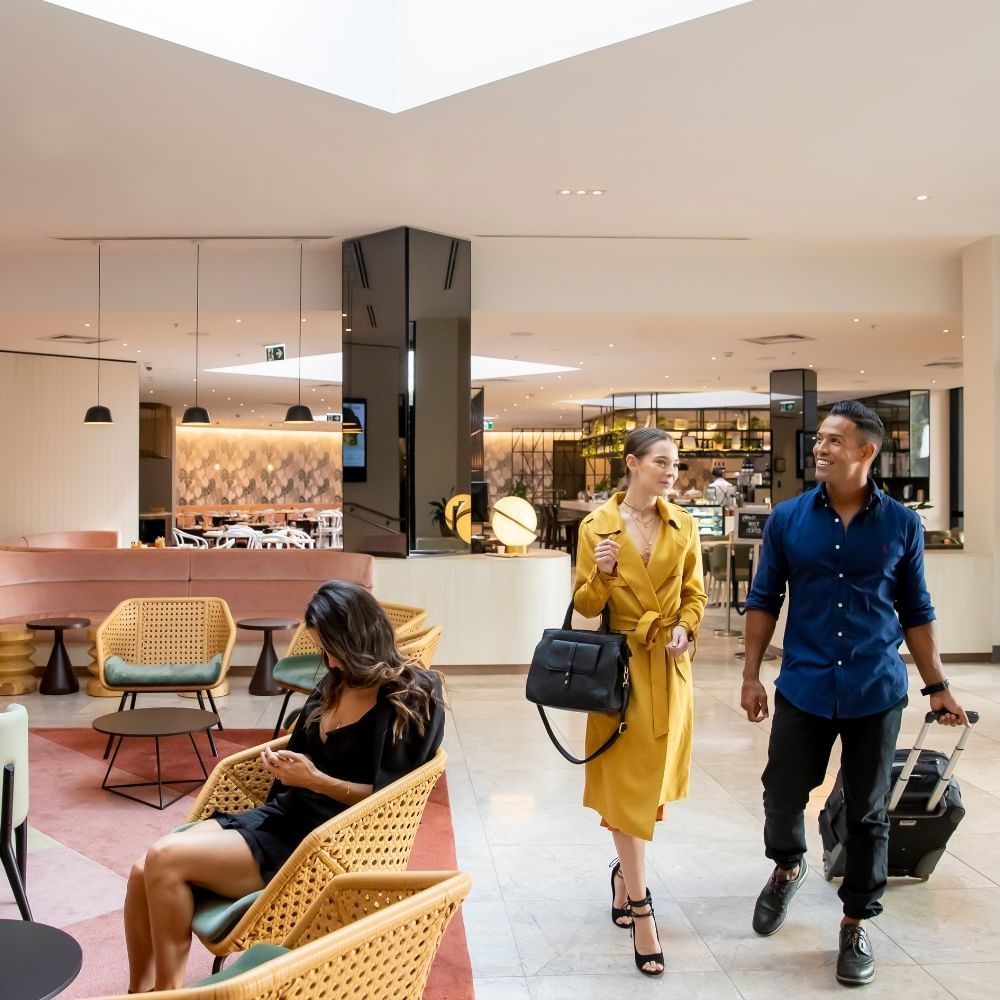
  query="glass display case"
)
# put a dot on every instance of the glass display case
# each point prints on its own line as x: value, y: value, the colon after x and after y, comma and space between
x: 709, y: 518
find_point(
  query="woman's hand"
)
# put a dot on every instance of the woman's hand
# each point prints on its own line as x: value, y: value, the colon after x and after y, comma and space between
x: 606, y: 556
x: 295, y: 770
x: 680, y: 642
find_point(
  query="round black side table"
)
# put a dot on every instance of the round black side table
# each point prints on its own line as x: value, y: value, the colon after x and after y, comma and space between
x: 38, y: 961
x: 58, y: 677
x: 262, y: 682
x: 155, y: 723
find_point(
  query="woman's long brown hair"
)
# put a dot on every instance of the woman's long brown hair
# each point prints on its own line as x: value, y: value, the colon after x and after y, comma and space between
x: 352, y: 627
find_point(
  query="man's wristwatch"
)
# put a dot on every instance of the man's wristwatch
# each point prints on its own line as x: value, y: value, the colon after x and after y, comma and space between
x: 935, y: 688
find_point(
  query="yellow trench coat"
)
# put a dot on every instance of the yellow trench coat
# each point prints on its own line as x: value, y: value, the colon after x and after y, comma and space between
x: 650, y: 764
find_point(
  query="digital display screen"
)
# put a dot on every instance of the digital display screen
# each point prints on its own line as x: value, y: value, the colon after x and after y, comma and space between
x: 353, y: 430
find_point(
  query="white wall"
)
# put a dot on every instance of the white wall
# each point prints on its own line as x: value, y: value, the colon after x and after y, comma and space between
x: 58, y: 473
x: 936, y: 518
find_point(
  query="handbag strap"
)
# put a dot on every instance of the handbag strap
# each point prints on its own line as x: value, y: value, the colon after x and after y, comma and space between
x: 606, y: 745
x: 605, y: 618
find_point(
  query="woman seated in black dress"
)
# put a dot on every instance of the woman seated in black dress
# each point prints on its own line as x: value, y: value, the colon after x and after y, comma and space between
x: 372, y: 719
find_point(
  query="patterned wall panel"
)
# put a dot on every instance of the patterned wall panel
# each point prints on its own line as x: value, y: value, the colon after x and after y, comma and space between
x: 230, y: 466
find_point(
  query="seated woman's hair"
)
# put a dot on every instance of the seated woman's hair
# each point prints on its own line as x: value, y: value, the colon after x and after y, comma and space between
x: 352, y: 627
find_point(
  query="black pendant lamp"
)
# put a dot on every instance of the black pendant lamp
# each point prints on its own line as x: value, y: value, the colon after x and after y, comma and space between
x: 98, y: 414
x: 299, y: 413
x: 196, y: 416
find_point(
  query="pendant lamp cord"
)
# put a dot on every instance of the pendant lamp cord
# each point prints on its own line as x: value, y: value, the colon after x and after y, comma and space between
x: 98, y: 324
x: 301, y: 247
x: 197, y: 301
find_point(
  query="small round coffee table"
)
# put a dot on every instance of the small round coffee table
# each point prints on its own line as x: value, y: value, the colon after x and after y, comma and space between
x: 155, y: 723
x: 58, y: 677
x: 262, y: 682
x: 38, y: 961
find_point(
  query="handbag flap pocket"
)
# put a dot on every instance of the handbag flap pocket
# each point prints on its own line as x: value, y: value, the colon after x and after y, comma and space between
x: 573, y: 657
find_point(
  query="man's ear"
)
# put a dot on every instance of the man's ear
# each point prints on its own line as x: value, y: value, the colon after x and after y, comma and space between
x: 869, y: 450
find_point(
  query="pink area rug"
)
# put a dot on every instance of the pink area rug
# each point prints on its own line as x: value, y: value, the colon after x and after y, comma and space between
x: 83, y: 841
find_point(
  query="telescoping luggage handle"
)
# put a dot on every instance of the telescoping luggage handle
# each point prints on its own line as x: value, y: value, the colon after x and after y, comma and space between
x: 911, y: 762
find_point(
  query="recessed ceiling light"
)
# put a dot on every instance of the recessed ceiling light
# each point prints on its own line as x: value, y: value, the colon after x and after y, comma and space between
x: 810, y: 366
x: 581, y: 192
x: 86, y: 324
x: 933, y: 380
x: 946, y: 331
x: 611, y: 345
x: 922, y: 197
x: 861, y: 371
x: 597, y: 192
x: 515, y: 404
x: 563, y: 191
x: 305, y: 319
x: 239, y: 321
x: 857, y: 319
x: 714, y: 358
x: 139, y: 351
x: 151, y: 392
x: 124, y: 345
x: 559, y: 376
x: 963, y: 336
x: 213, y: 390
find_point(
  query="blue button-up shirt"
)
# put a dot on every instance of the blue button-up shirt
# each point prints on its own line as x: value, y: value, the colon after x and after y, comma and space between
x: 851, y: 595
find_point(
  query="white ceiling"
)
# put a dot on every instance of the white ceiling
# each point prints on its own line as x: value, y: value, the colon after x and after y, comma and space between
x: 806, y: 128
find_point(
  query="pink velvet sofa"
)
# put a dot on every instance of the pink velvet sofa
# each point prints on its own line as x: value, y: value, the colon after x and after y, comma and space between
x: 90, y: 583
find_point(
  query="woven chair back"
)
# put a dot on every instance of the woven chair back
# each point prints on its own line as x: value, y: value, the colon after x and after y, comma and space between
x: 422, y: 646
x: 405, y: 621
x: 389, y: 927
x: 167, y: 630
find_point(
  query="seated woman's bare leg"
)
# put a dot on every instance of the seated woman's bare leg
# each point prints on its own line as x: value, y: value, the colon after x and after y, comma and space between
x: 204, y: 855
x: 138, y: 940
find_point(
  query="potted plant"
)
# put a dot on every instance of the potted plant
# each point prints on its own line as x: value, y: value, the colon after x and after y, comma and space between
x: 437, y: 517
x: 518, y: 488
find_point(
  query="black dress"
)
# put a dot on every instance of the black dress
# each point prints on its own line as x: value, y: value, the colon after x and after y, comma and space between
x: 274, y: 830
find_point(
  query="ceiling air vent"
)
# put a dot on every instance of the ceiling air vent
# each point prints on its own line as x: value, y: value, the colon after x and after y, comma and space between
x: 75, y: 338
x: 943, y: 364
x: 779, y: 338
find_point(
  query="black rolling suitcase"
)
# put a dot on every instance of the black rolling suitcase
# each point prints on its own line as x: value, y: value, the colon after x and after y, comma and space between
x: 925, y: 806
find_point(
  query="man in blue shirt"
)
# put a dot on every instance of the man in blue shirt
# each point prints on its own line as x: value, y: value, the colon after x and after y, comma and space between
x: 852, y: 559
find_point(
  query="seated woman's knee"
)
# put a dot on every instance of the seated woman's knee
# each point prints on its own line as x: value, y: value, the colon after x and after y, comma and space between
x: 164, y: 855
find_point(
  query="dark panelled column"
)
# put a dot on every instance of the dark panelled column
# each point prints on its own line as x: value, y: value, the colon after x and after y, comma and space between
x: 407, y: 355
x: 793, y: 424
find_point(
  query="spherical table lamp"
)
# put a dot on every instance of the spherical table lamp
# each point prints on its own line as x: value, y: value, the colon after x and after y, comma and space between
x: 458, y: 516
x: 514, y: 522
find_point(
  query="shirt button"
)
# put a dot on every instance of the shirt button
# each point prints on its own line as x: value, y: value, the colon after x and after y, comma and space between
x: 839, y: 604
x: 836, y: 520
x: 840, y: 634
x: 840, y: 663
x: 840, y: 575
x: 836, y: 546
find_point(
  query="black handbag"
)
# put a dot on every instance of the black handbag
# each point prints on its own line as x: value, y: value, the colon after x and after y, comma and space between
x: 578, y: 670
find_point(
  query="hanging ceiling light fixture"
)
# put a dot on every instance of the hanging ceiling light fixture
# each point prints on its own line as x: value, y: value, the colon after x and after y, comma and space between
x: 98, y: 414
x: 299, y: 413
x: 196, y: 416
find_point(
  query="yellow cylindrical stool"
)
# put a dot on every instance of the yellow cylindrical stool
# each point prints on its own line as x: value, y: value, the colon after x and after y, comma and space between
x: 16, y: 668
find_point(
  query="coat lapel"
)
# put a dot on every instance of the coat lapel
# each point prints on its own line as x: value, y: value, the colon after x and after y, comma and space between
x: 630, y: 565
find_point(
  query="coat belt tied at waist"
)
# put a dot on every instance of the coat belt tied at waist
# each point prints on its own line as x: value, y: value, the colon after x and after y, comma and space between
x: 651, y: 631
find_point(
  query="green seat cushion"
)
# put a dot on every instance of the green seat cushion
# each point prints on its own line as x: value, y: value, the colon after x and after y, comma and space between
x: 121, y: 673
x: 250, y: 959
x: 215, y: 916
x: 303, y: 672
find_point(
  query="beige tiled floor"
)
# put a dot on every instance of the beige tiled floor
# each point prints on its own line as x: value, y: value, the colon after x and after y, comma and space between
x: 537, y: 919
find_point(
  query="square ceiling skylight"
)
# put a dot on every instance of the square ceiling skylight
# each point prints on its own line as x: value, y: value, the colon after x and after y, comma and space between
x: 395, y: 54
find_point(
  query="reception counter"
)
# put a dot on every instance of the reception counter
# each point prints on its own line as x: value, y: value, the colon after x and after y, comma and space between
x: 492, y: 609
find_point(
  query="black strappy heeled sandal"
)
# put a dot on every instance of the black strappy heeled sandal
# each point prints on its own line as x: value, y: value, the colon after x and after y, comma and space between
x: 641, y: 960
x: 617, y: 912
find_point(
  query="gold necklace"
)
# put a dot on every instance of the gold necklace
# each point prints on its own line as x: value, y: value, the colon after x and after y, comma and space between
x: 639, y: 520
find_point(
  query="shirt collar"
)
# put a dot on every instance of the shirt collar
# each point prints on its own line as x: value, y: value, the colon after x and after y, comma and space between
x: 875, y: 495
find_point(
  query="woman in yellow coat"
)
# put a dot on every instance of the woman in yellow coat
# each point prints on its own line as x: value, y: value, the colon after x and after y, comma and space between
x: 642, y: 557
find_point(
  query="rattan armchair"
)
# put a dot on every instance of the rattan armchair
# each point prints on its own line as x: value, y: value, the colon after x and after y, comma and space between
x: 300, y: 669
x: 422, y: 646
x: 181, y: 644
x: 368, y: 935
x: 375, y: 834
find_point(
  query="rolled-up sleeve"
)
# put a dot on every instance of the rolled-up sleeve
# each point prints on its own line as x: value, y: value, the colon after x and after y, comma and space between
x: 770, y: 582
x: 913, y: 600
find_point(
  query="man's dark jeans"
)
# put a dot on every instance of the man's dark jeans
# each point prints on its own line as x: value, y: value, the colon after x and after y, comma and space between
x: 797, y: 758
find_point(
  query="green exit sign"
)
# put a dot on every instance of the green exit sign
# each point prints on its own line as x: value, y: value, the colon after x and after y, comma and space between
x: 487, y: 425
x: 786, y: 405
